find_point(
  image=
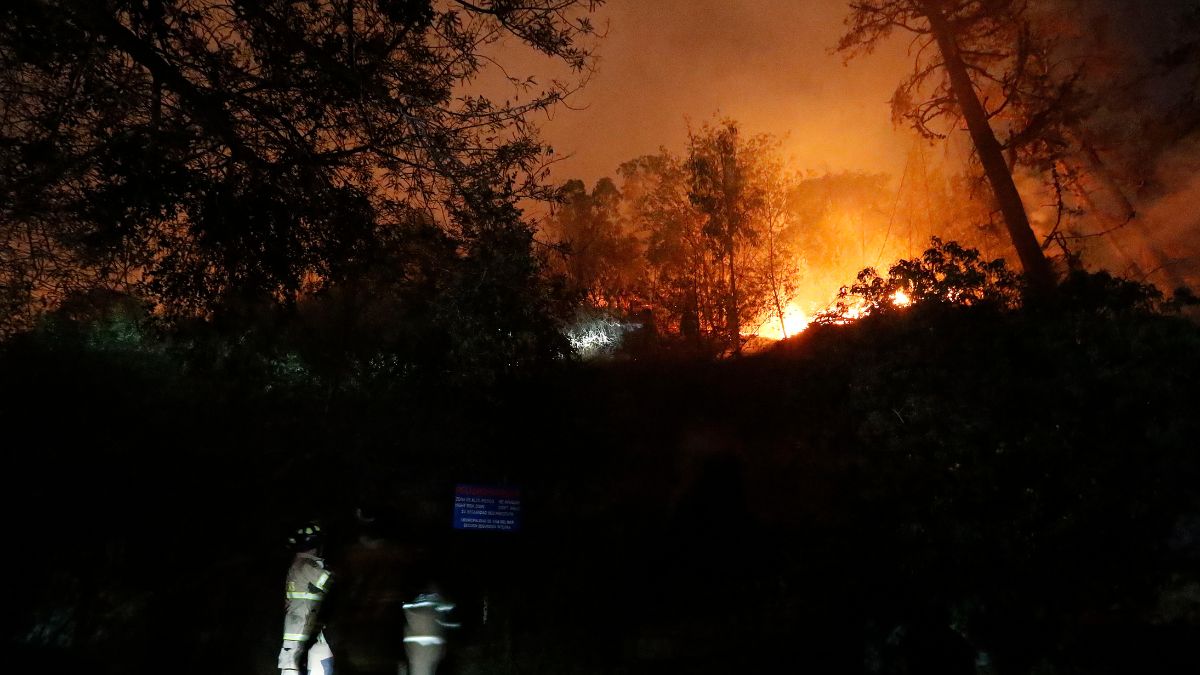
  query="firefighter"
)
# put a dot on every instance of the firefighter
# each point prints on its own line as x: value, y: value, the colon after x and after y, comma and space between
x: 303, y: 642
x: 427, y: 619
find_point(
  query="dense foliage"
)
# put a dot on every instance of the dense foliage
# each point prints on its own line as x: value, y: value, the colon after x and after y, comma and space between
x: 206, y: 155
x: 892, y: 495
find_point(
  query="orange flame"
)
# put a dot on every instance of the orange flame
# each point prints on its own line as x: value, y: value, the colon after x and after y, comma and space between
x: 795, y: 319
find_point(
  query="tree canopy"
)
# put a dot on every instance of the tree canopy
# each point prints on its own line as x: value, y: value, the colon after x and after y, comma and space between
x: 962, y: 47
x: 203, y: 152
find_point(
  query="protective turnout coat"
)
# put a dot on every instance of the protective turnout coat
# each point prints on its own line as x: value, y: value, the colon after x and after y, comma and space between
x: 307, y: 581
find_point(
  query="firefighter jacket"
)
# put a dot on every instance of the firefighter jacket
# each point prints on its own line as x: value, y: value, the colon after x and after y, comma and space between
x: 427, y: 620
x: 306, y: 583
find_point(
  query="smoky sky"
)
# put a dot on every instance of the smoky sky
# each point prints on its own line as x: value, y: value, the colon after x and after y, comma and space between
x: 765, y: 63
x: 768, y: 64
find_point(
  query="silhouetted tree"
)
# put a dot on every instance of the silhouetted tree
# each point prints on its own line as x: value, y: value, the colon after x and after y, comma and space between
x: 959, y: 43
x: 602, y: 257
x: 946, y: 274
x: 718, y: 163
x: 782, y: 260
x: 681, y: 271
x: 202, y: 152
x: 718, y: 233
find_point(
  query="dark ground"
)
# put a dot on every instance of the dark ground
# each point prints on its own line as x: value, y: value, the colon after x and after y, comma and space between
x: 890, y: 497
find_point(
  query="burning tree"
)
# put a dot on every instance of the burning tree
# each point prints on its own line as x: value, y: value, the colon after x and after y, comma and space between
x: 679, y: 269
x: 708, y: 242
x: 962, y: 46
x: 731, y: 198
x: 782, y: 262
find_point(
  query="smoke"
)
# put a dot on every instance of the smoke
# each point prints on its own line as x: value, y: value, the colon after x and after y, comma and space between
x: 767, y: 64
x: 764, y: 63
x: 1143, y: 65
x: 1172, y: 213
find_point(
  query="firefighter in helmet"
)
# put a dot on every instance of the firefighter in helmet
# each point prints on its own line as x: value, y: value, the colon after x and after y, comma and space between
x: 304, y: 643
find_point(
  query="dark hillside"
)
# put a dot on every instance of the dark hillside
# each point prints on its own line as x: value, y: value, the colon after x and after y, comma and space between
x: 915, y: 485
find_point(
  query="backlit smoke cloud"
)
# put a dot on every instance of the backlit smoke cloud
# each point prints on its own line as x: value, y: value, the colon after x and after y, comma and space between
x: 764, y: 63
x: 767, y: 64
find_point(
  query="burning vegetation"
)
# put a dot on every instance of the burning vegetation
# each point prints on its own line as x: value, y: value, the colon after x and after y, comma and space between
x: 1021, y: 118
x: 659, y: 245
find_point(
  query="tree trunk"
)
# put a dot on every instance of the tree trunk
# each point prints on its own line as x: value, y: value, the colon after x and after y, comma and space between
x: 733, y: 316
x: 1037, y: 269
x: 689, y: 319
x: 731, y: 187
x: 773, y: 278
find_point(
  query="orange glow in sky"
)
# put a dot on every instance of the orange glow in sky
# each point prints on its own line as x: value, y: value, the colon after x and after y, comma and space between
x: 766, y: 64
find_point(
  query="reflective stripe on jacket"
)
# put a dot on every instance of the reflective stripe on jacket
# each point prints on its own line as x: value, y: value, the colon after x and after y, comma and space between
x: 426, y: 617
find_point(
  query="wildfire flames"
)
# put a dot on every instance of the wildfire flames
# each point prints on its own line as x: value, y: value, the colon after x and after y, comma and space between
x: 795, y: 319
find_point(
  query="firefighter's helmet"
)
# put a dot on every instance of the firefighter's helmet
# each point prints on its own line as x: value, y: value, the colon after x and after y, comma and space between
x: 307, y: 538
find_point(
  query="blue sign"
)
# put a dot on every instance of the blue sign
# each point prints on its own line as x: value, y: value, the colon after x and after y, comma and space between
x: 481, y: 507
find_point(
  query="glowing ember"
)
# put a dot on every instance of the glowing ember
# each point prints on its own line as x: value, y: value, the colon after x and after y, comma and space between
x: 901, y: 299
